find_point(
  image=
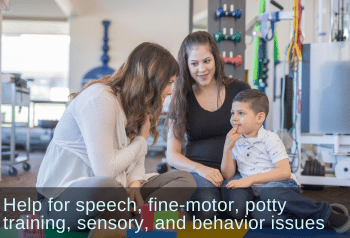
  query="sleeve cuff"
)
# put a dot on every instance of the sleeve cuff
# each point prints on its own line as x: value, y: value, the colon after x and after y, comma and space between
x: 275, y: 160
x: 143, y: 145
x: 137, y: 177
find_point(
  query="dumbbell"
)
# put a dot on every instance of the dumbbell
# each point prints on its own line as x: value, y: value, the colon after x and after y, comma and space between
x: 162, y: 168
x: 220, y: 12
x: 314, y: 168
x: 237, y: 60
x: 219, y: 36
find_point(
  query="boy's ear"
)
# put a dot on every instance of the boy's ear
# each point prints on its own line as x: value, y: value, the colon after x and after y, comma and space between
x: 261, y: 117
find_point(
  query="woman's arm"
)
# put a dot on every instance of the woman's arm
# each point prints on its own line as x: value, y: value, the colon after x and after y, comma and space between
x: 177, y: 160
x: 174, y: 156
x: 279, y: 157
x: 138, y: 172
x: 281, y: 172
x: 97, y: 120
x: 135, y: 195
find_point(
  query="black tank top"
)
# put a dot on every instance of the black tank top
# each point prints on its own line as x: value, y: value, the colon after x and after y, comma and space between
x: 207, y: 130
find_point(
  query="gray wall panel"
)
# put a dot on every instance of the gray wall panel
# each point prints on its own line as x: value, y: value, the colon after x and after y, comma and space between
x: 329, y: 97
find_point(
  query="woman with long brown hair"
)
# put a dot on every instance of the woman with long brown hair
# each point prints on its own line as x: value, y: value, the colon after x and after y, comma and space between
x: 200, y: 108
x: 100, y: 142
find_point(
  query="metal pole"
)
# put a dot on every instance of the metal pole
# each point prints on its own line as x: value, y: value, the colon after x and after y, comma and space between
x: 336, y: 144
x: 190, y: 26
x: 13, y: 123
x: 331, y: 22
x: 0, y: 90
x: 28, y: 133
x: 270, y: 75
x: 320, y: 21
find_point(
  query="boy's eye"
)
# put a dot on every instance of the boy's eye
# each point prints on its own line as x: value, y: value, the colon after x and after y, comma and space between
x: 240, y: 113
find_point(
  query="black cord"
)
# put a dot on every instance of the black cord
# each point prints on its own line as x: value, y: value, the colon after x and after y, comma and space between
x: 276, y: 4
x: 338, y: 20
x: 342, y: 21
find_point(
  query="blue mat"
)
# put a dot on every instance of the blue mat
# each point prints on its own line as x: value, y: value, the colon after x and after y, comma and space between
x: 294, y: 233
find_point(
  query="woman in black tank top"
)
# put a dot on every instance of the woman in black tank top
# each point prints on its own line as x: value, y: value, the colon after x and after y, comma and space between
x: 199, y: 115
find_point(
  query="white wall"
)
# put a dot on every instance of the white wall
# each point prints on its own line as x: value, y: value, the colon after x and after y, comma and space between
x: 165, y: 22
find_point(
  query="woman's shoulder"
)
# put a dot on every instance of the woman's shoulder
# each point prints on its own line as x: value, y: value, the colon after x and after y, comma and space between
x: 98, y: 90
x: 96, y: 94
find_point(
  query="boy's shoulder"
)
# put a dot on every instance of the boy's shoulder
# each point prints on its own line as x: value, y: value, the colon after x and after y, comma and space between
x: 271, y: 135
x: 265, y: 137
x: 271, y: 138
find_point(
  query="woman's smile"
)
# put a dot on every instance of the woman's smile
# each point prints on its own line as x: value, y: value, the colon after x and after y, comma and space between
x: 203, y: 76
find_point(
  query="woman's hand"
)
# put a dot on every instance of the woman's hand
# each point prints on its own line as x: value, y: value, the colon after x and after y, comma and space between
x: 211, y: 174
x: 135, y: 195
x: 240, y: 183
x: 231, y: 138
x: 146, y: 126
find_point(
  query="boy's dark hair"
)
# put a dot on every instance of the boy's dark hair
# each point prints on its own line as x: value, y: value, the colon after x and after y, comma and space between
x: 257, y: 99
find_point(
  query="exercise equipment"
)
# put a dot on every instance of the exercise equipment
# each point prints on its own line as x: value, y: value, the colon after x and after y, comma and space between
x: 229, y: 30
x: 256, y: 46
x: 34, y: 231
x: 264, y: 63
x: 162, y: 168
x: 295, y: 47
x: 339, y: 19
x: 276, y: 4
x: 221, y: 12
x: 342, y: 169
x: 271, y: 17
x: 219, y: 36
x: 260, y: 24
x: 147, y: 217
x: 313, y: 168
x: 237, y: 60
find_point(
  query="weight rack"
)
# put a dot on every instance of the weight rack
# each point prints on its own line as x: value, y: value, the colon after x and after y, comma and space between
x: 237, y: 24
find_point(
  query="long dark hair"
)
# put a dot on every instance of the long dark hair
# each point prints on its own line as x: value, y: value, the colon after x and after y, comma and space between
x: 183, y: 85
x: 140, y: 82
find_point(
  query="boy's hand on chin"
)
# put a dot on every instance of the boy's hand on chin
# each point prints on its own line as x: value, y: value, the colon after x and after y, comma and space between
x: 231, y: 138
x: 240, y: 183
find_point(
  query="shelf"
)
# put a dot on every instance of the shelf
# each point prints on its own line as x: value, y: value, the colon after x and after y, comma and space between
x: 317, y: 180
x: 16, y: 96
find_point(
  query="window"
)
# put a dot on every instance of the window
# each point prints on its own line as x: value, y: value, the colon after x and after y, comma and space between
x: 44, y: 59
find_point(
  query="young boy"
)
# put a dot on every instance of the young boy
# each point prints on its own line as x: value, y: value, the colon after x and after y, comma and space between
x: 264, y: 166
